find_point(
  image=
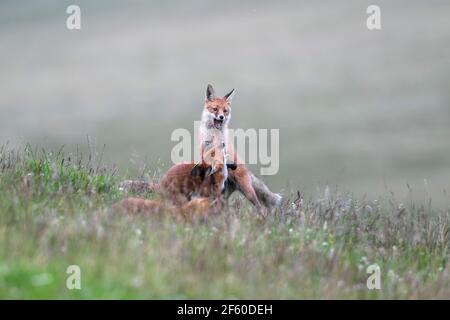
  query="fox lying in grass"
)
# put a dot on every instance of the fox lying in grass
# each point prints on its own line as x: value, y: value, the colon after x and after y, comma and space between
x: 202, y: 185
x: 195, y: 208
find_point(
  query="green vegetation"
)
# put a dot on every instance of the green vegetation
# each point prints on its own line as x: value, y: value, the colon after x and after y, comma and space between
x: 54, y: 213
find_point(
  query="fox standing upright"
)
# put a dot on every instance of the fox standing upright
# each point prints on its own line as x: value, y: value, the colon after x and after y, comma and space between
x: 214, y: 125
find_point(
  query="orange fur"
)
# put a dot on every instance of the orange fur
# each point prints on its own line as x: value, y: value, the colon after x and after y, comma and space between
x: 183, y: 182
x: 196, y: 208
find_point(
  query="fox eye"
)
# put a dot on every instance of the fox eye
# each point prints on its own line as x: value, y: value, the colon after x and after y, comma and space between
x: 225, y: 111
x: 215, y: 109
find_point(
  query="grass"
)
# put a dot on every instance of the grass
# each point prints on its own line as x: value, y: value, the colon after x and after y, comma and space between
x: 54, y: 213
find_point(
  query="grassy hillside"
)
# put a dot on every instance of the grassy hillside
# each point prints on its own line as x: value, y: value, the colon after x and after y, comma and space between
x: 54, y: 213
x: 355, y: 108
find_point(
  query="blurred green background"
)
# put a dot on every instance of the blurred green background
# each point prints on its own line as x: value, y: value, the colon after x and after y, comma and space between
x: 366, y: 111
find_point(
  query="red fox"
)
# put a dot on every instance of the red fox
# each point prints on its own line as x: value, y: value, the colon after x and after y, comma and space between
x: 206, y: 179
x: 186, y: 181
x: 214, y: 125
x: 195, y: 208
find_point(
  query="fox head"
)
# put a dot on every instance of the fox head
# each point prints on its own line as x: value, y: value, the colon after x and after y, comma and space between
x: 217, y: 111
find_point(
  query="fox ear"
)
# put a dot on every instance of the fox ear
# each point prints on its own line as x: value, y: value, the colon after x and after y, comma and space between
x: 198, y: 171
x: 229, y: 95
x: 232, y: 166
x: 210, y: 94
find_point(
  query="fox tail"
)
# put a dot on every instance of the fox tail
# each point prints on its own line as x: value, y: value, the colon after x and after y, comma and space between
x: 268, y: 198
